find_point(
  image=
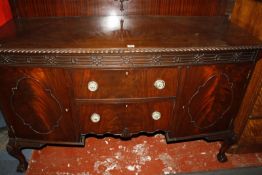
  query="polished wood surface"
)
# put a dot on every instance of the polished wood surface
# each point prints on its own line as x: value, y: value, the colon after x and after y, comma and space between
x: 250, y: 98
x: 139, y: 32
x: 37, y: 104
x: 248, y: 14
x: 45, y: 8
x: 47, y: 63
x: 257, y: 109
x: 209, y: 97
x: 124, y: 117
x: 251, y: 139
x: 250, y: 116
x: 128, y: 83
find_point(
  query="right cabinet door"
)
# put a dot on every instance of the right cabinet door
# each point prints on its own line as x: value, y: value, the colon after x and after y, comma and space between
x: 209, y: 98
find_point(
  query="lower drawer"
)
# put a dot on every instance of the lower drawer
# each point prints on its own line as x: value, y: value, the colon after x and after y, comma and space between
x: 122, y: 117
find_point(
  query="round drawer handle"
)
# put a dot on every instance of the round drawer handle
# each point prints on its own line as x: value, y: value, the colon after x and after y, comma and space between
x: 156, y: 115
x: 92, y: 86
x: 95, y: 118
x: 160, y: 84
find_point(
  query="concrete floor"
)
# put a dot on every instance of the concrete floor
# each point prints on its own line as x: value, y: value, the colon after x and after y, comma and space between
x: 138, y: 156
x: 8, y: 163
x: 236, y: 171
x: 2, y: 122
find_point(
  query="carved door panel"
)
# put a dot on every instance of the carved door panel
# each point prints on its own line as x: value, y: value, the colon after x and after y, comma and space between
x: 209, y: 98
x: 35, y: 102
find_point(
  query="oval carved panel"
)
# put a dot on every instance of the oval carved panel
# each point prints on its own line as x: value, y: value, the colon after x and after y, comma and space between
x: 211, y: 101
x: 35, y: 105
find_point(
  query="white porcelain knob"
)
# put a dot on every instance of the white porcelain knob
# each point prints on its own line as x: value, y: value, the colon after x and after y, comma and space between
x: 156, y: 115
x: 95, y: 118
x: 92, y: 86
x: 160, y: 84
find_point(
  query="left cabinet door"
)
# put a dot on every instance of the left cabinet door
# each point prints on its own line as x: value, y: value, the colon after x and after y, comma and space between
x: 36, y: 103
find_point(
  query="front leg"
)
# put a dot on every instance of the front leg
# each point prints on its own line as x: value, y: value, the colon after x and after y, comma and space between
x: 227, y: 143
x: 15, y: 150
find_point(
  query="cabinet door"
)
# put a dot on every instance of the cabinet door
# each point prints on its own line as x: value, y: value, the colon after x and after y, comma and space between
x: 35, y: 103
x: 209, y: 98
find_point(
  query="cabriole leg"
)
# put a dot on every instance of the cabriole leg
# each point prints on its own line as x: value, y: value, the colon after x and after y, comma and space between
x: 15, y: 150
x: 227, y: 143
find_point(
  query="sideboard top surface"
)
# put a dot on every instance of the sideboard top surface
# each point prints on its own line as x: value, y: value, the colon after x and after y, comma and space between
x: 116, y: 32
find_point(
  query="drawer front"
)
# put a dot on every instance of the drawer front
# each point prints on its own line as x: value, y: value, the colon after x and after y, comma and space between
x: 133, y: 117
x: 99, y: 84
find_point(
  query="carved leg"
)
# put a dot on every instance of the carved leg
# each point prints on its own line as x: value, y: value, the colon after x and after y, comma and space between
x: 15, y: 150
x: 228, y: 141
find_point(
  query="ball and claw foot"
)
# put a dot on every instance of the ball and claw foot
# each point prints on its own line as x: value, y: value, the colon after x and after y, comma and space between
x: 221, y: 157
x: 228, y: 141
x: 22, y: 167
x: 14, y: 149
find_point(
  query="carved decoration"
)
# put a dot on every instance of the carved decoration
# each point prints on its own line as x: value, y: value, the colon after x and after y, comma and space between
x: 14, y: 149
x: 211, y: 101
x: 127, y: 59
x: 121, y: 4
x: 125, y: 50
x: 31, y: 101
x: 126, y: 134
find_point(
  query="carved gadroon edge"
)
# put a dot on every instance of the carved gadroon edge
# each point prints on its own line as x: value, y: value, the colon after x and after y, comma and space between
x: 124, y: 58
x: 16, y: 88
x: 222, y: 112
x: 124, y: 50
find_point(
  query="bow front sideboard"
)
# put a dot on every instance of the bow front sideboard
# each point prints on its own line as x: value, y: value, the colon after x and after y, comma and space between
x: 64, y: 79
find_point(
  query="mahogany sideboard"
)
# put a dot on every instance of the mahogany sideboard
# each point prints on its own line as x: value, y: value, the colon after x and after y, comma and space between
x: 64, y: 79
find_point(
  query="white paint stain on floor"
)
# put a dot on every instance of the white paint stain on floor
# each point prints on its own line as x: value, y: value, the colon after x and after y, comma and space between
x: 169, y: 165
x: 67, y: 173
x: 131, y: 168
x: 104, y: 167
x: 258, y: 157
x: 118, y: 155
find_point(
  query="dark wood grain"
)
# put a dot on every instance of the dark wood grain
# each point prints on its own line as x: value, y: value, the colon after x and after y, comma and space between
x: 37, y: 104
x: 209, y: 98
x: 128, y: 83
x: 46, y: 64
x: 257, y: 109
x: 251, y: 139
x: 247, y: 14
x: 40, y: 8
x: 250, y: 109
x: 141, y: 32
x: 135, y: 117
x: 43, y: 100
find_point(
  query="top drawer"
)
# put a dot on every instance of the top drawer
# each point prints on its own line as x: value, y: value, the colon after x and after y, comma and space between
x: 130, y: 83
